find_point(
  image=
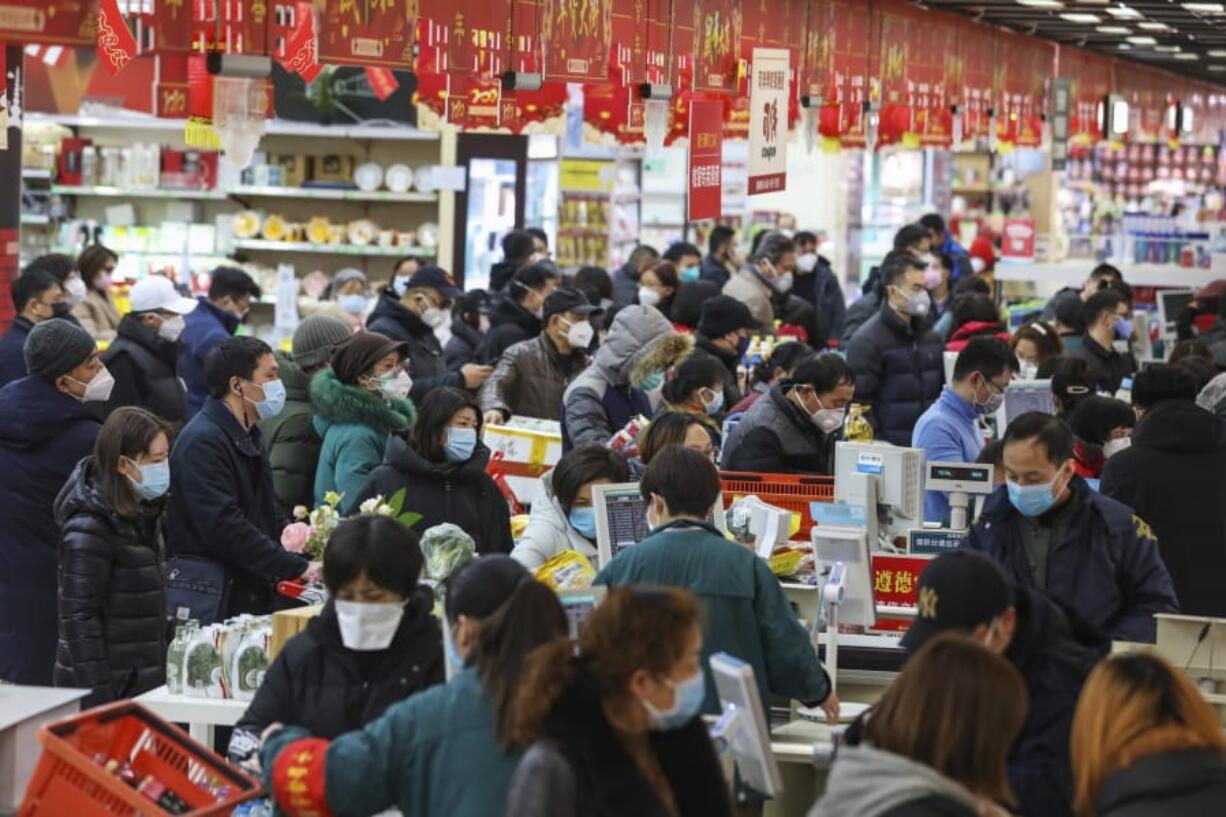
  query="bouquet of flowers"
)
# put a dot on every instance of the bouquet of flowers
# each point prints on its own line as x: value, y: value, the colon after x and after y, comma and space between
x: 310, y: 531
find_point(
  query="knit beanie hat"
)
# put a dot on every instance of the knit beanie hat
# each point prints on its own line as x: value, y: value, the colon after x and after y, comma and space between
x: 316, y: 338
x: 56, y: 347
x: 723, y: 314
x: 358, y: 355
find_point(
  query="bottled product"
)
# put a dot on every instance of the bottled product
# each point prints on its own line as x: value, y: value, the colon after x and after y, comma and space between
x: 856, y: 427
x: 174, y: 656
x: 149, y: 786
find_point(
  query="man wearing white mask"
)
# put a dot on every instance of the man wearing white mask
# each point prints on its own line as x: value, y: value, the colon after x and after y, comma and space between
x: 532, y: 375
x: 145, y: 353
x: 818, y: 286
x: 767, y: 277
x: 897, y: 357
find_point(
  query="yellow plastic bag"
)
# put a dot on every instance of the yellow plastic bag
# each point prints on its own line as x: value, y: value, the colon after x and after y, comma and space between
x: 569, y: 570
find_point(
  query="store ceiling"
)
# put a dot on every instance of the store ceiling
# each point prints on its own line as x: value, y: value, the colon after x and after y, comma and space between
x: 1187, y: 38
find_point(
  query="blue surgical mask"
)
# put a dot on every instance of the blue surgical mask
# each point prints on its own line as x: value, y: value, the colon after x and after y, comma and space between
x: 352, y: 304
x: 584, y: 521
x: 687, y: 703
x: 652, y: 381
x: 273, y: 402
x: 1033, y: 500
x: 1123, y: 327
x: 154, y: 479
x: 690, y: 274
x: 461, y: 442
x: 400, y: 285
x: 715, y: 403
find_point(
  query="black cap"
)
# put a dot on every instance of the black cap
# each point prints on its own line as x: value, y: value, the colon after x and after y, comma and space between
x: 723, y: 314
x: 435, y: 278
x: 957, y: 591
x: 569, y: 299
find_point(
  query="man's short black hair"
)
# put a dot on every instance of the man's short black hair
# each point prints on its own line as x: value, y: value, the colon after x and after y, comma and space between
x: 1104, y: 269
x: 804, y: 237
x: 379, y: 546
x: 1201, y: 370
x: 533, y: 276
x: 990, y: 356
x: 968, y: 284
x: 773, y: 246
x: 679, y: 250
x: 933, y: 223
x: 232, y: 282
x: 1103, y: 301
x: 1123, y: 289
x: 1160, y: 382
x: 909, y: 236
x: 29, y: 285
x: 595, y: 283
x: 57, y: 263
x: 517, y: 245
x: 237, y: 357
x: 1097, y: 416
x: 719, y: 238
x: 824, y: 373
x: 1053, y: 436
x: 1070, y: 312
x: 896, y: 266
x: 992, y: 454
x: 685, y: 479
x: 971, y: 307
x: 538, y: 234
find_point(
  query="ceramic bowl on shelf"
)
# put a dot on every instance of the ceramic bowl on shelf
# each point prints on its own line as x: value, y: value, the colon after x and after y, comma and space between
x: 368, y: 177
x: 362, y: 232
x: 275, y: 228
x: 319, y: 230
x: 423, y: 178
x: 427, y: 235
x: 247, y: 224
x: 398, y: 178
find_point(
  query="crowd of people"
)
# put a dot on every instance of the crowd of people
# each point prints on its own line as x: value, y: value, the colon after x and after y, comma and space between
x: 170, y: 442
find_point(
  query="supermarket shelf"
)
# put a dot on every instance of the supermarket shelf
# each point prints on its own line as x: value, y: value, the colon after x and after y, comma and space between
x: 35, y: 218
x: 1070, y: 273
x: 332, y: 193
x: 195, y: 256
x: 35, y: 173
x: 137, y: 192
x: 329, y: 249
x: 276, y: 127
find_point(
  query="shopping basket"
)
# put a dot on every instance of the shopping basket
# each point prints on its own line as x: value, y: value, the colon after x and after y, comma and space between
x: 793, y: 492
x: 71, y: 781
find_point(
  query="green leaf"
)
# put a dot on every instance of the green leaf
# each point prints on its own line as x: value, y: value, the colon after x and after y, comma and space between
x: 409, y: 519
x: 396, y: 503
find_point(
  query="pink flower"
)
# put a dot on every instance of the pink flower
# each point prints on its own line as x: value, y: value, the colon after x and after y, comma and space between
x: 294, y: 537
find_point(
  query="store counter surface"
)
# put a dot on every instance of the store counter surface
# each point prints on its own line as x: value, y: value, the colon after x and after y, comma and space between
x: 23, y: 711
x: 200, y: 714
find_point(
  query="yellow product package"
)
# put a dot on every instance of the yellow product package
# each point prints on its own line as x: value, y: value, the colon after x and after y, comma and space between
x: 569, y: 570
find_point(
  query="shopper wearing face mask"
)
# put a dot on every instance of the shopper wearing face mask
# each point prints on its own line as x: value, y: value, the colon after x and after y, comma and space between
x: 440, y: 463
x: 562, y: 517
x: 95, y: 309
x: 1102, y: 427
x: 519, y: 315
x: 412, y: 319
x: 46, y: 428
x: 696, y: 387
x: 898, y: 359
x: 1086, y: 552
x: 145, y: 353
x: 112, y: 602
x: 1108, y: 318
x: 348, y: 290
x: 723, y: 335
x: 687, y: 259
x: 358, y: 402
x: 616, y: 730
x: 374, y: 644
x: 1171, y: 473
x: 35, y: 294
x: 818, y: 286
x: 794, y: 427
x: 767, y: 276
x: 446, y: 750
x: 532, y: 375
x: 657, y: 286
x: 949, y: 430
x: 470, y: 323
x: 1034, y: 344
x: 215, y: 320
x: 223, y: 507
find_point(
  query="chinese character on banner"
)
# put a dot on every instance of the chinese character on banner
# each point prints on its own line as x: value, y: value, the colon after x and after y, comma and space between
x: 768, y: 127
x: 575, y: 38
x: 717, y: 40
x: 706, y: 158
x: 476, y: 35
x: 302, y: 46
x: 49, y: 22
x: 116, y: 45
x: 367, y: 33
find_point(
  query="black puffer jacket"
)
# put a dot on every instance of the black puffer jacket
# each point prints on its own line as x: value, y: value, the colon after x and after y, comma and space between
x: 461, y: 349
x: 1192, y: 781
x: 511, y: 324
x: 462, y: 494
x: 143, y: 365
x: 776, y: 437
x: 321, y: 685
x: 112, y: 603
x: 426, y: 363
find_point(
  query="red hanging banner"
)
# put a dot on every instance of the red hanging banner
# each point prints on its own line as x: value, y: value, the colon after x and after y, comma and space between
x: 374, y: 33
x: 230, y: 26
x: 116, y: 46
x: 383, y: 82
x: 49, y: 22
x: 706, y: 159
x: 302, y: 46
x: 717, y: 38
x: 172, y: 88
x: 575, y: 37
x: 476, y: 36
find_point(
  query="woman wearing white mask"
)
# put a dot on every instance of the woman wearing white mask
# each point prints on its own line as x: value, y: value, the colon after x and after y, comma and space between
x: 111, y: 596
x: 358, y: 402
x: 374, y: 644
x: 793, y: 428
x: 90, y: 295
x: 440, y: 463
x: 349, y: 290
x: 658, y: 284
x: 696, y: 387
x: 145, y: 352
x: 617, y: 729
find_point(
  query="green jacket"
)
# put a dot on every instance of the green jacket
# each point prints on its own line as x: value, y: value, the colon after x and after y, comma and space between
x: 354, y: 424
x: 291, y: 441
x: 745, y: 612
x: 430, y: 755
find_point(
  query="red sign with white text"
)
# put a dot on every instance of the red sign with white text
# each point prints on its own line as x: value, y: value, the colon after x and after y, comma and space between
x: 371, y: 35
x: 896, y: 583
x: 1017, y: 240
x: 706, y: 159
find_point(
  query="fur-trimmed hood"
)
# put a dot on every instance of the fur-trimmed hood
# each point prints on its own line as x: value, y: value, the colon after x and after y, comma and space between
x: 336, y: 403
x: 641, y: 341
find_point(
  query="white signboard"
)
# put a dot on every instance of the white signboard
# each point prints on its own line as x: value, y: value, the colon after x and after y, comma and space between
x: 768, y: 120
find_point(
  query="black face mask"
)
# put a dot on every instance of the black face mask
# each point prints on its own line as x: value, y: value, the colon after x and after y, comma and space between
x: 60, y: 309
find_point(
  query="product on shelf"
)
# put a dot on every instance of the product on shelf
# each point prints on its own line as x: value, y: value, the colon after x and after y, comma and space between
x: 226, y: 660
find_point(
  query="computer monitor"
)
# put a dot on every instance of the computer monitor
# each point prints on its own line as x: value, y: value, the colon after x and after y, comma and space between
x: 899, y: 477
x: 621, y: 518
x: 1022, y: 396
x: 1171, y: 304
x: 834, y: 545
x: 743, y: 726
x: 578, y: 604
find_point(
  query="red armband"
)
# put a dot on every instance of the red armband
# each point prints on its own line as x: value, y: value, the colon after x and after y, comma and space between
x: 298, y: 778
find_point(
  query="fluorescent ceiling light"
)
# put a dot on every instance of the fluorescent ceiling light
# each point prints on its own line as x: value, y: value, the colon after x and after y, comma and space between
x: 1142, y: 41
x: 1167, y: 49
x: 1217, y: 68
x: 1217, y: 52
x: 1041, y: 4
x: 1124, y: 47
x: 1206, y: 8
x: 1122, y: 12
x: 1148, y: 26
x: 1187, y: 55
x: 1081, y: 17
x: 1113, y: 30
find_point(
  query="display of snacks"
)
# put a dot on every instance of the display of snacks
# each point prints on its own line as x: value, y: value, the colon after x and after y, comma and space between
x: 583, y: 229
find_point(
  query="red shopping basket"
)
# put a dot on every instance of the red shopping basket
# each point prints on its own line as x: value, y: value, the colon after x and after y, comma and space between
x: 68, y: 781
x: 791, y: 491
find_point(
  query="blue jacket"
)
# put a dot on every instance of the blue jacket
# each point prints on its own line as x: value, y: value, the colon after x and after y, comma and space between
x: 433, y: 754
x: 44, y: 433
x: 205, y: 327
x: 1107, y: 572
x: 962, y: 260
x: 222, y: 506
x: 625, y: 285
x: 746, y: 613
x: 13, y: 351
x: 715, y: 271
x: 899, y: 368
x: 947, y: 432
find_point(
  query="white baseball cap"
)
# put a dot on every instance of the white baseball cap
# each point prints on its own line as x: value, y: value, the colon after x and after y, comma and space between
x: 157, y: 292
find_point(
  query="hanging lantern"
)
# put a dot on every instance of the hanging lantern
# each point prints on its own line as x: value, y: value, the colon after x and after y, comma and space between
x: 655, y: 124
x: 240, y: 112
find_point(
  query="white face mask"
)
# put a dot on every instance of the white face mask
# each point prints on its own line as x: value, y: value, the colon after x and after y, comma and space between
x: 1113, y: 447
x: 171, y: 328
x: 784, y: 282
x: 648, y: 296
x: 807, y: 262
x: 75, y: 288
x: 580, y: 335
x: 396, y: 386
x: 826, y: 248
x: 365, y: 626
x: 1028, y: 371
x: 828, y: 420
x: 97, y: 390
x: 434, y: 317
x: 918, y: 304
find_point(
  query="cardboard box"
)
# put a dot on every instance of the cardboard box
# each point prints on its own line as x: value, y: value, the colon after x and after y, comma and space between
x: 334, y: 168
x: 288, y: 623
x: 529, y: 447
x: 295, y: 169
